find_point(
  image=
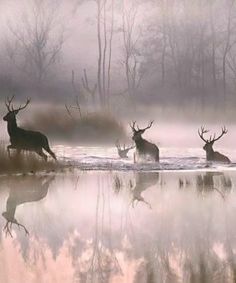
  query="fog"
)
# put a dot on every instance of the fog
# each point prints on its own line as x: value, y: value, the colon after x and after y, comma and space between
x: 109, y: 111
x: 121, y: 54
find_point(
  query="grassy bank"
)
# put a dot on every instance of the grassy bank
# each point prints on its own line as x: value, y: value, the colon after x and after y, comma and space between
x: 25, y: 162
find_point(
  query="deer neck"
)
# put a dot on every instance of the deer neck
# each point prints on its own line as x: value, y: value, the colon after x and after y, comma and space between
x: 139, y: 143
x: 11, y: 127
x: 11, y: 208
x: 210, y: 154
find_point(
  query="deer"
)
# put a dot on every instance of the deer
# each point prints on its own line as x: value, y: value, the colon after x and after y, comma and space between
x: 144, y: 147
x: 212, y: 155
x: 122, y: 152
x: 22, y: 139
x: 28, y: 190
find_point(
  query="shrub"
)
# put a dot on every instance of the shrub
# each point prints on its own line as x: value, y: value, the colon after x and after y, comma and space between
x: 92, y: 128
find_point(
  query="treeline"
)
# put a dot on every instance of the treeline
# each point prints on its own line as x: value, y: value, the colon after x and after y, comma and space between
x: 164, y: 51
x: 191, y: 47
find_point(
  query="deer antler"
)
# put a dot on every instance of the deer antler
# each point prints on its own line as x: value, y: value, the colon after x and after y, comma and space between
x: 128, y: 148
x: 23, y: 226
x: 132, y: 126
x: 23, y: 107
x: 7, y: 229
x: 142, y: 200
x: 203, y: 131
x: 118, y: 144
x: 149, y: 126
x: 8, y: 102
x: 224, y: 132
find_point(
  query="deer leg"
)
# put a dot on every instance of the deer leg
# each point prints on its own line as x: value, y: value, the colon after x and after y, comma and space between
x: 47, y: 148
x: 40, y: 152
x: 136, y: 157
x: 8, y: 149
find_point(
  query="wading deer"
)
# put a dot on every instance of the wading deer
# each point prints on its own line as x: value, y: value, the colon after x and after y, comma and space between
x: 144, y: 147
x: 28, y: 189
x: 212, y: 155
x: 22, y: 139
x: 122, y: 152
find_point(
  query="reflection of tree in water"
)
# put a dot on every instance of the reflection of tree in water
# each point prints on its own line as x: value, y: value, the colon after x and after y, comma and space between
x: 23, y: 190
x: 195, y: 260
x: 117, y: 184
x: 176, y: 248
x: 189, y: 256
x: 99, y: 262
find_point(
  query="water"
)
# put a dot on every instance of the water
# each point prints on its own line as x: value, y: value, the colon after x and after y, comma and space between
x: 131, y: 224
x: 106, y: 158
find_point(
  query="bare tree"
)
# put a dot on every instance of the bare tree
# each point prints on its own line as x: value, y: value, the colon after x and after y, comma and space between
x: 105, y: 32
x: 86, y: 85
x: 110, y: 52
x: 213, y: 42
x: 131, y: 53
x: 227, y: 44
x: 37, y: 42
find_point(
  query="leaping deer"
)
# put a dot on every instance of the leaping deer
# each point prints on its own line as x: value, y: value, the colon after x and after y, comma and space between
x: 22, y: 139
x: 212, y: 155
x: 122, y: 152
x: 144, y: 147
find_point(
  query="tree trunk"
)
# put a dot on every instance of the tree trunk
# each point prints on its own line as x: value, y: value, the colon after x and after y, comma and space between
x: 100, y: 93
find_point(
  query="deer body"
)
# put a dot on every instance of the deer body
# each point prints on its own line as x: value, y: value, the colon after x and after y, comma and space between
x: 144, y: 147
x: 22, y: 139
x: 212, y: 155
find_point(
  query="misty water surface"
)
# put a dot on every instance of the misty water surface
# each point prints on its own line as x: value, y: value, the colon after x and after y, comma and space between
x: 119, y: 227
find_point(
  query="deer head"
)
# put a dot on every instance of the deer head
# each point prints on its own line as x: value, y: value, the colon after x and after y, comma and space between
x: 137, y: 132
x: 139, y: 198
x: 123, y: 151
x: 208, y: 147
x: 12, y: 112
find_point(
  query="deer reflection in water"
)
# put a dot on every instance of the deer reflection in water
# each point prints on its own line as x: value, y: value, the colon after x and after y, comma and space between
x: 206, y: 183
x: 27, y: 189
x: 144, y: 180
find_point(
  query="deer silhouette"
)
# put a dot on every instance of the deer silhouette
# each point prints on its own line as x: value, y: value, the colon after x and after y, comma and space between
x: 144, y: 147
x: 144, y: 180
x: 28, y: 190
x: 22, y: 139
x: 212, y: 155
x: 122, y: 152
